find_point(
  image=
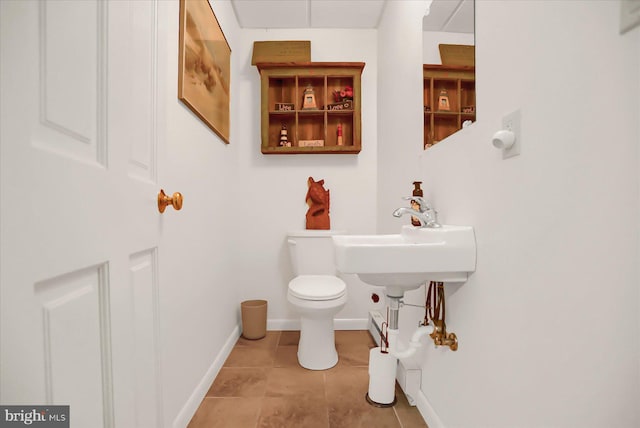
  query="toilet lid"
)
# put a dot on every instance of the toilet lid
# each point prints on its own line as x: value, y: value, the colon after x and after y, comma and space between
x: 317, y: 287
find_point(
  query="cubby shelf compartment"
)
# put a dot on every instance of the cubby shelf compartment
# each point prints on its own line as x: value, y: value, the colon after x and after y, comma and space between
x: 460, y: 86
x: 282, y: 86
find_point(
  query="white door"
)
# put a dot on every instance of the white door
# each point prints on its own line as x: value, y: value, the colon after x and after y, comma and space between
x: 79, y: 225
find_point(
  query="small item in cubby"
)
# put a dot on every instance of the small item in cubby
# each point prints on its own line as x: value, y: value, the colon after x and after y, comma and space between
x: 427, y: 109
x: 284, y: 107
x: 311, y: 143
x: 443, y: 101
x: 343, y: 94
x: 340, y: 134
x: 318, y: 200
x: 284, y: 139
x: 342, y: 105
x: 309, y: 99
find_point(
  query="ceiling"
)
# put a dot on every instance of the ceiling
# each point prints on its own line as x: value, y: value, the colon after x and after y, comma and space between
x: 454, y: 16
x: 450, y: 16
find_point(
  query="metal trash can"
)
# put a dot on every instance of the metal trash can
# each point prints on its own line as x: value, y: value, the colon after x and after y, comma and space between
x: 254, y: 319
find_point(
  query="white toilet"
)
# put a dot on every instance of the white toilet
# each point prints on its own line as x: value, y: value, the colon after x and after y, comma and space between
x: 317, y: 294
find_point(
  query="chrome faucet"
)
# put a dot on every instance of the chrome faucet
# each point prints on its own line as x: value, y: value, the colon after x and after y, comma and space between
x: 427, y: 216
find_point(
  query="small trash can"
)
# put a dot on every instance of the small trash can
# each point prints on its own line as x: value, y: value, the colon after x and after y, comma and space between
x: 254, y: 319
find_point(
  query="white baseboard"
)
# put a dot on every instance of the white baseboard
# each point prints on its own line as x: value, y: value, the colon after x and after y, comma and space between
x: 351, y: 324
x: 283, y: 324
x: 192, y: 404
x: 339, y: 324
x: 426, y: 410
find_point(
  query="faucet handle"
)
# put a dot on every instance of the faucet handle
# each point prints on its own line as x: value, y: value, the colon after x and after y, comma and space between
x: 423, y: 204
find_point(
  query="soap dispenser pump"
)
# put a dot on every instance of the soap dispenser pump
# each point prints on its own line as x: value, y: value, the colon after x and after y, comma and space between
x: 417, y: 191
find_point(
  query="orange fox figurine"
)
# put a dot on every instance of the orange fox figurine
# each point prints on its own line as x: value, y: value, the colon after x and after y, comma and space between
x: 318, y: 200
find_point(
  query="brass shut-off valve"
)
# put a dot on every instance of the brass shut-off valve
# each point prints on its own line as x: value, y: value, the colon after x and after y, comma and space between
x: 442, y: 338
x: 435, y: 311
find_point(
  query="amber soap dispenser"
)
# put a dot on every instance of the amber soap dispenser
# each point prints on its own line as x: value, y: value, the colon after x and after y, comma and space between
x: 417, y: 191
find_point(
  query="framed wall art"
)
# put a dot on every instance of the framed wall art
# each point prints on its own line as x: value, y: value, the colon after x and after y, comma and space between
x: 204, y: 66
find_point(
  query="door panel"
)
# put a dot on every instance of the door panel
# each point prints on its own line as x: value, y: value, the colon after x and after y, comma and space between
x: 143, y: 275
x: 141, y: 83
x: 72, y: 110
x: 79, y: 228
x: 74, y: 317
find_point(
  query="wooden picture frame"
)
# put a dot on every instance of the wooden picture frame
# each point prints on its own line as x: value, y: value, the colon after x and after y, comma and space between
x: 204, y: 66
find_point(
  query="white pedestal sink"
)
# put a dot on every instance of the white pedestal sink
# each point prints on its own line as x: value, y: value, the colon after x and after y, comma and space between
x: 405, y: 261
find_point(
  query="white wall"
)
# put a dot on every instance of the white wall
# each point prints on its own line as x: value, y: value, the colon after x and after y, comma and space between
x: 269, y: 190
x: 197, y: 297
x: 548, y: 324
x: 400, y: 116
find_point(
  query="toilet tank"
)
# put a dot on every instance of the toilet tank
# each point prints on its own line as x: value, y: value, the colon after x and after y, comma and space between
x: 311, y: 251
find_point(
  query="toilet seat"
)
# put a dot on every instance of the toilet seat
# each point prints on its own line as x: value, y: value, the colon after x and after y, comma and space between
x: 317, y: 287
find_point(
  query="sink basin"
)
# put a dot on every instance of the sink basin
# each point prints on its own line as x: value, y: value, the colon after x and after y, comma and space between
x: 405, y: 261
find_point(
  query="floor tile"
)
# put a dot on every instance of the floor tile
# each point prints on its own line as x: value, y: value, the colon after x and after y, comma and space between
x: 248, y: 356
x: 301, y: 412
x: 287, y: 356
x: 408, y: 415
x: 354, y: 336
x: 410, y: 418
x: 347, y: 383
x: 353, y: 354
x: 239, y: 382
x: 346, y: 389
x: 262, y: 385
x: 295, y: 382
x: 269, y: 341
x: 226, y: 413
x: 289, y: 338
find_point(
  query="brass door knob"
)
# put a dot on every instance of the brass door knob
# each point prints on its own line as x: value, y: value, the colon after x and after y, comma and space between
x: 174, y: 200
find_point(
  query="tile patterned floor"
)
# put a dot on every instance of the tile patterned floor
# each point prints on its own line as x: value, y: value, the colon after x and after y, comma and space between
x: 261, y: 385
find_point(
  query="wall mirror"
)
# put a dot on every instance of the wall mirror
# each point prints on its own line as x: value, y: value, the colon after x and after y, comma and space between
x: 448, y: 55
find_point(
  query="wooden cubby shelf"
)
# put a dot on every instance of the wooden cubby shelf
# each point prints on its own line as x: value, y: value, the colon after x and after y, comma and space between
x: 459, y: 84
x: 282, y: 88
